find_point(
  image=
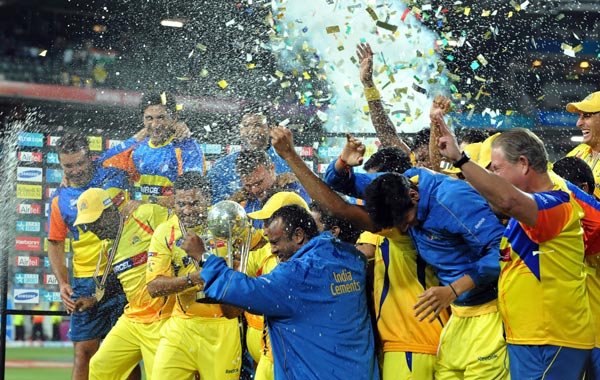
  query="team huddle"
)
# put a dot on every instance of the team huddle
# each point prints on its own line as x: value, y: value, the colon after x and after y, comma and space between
x: 416, y: 269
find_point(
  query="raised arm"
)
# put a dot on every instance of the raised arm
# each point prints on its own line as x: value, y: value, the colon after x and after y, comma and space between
x: 440, y: 104
x: 283, y: 142
x: 386, y: 132
x: 500, y: 193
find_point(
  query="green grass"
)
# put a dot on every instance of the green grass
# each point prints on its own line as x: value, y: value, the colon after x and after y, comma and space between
x: 58, y: 354
x: 38, y: 353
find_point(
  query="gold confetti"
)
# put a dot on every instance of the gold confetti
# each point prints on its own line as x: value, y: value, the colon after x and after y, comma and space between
x: 178, y: 107
x: 372, y: 13
x: 306, y: 75
x: 485, y: 13
x: 201, y: 47
x: 250, y: 66
x: 279, y: 74
x: 285, y: 84
x: 223, y: 83
x: 467, y: 11
x: 163, y: 98
x: 385, y: 25
x: 332, y: 29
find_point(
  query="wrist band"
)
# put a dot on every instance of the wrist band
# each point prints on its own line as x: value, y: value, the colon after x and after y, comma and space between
x: 372, y: 94
x: 343, y: 163
x: 453, y: 290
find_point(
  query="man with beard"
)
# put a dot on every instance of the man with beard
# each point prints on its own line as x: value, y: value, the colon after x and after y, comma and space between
x: 198, y: 337
x: 260, y: 181
x: 254, y: 132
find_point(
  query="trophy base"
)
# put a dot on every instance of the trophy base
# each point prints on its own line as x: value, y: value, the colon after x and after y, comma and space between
x: 202, y: 298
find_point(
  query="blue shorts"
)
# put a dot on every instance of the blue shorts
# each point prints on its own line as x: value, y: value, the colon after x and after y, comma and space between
x: 97, y: 321
x: 546, y: 362
x: 592, y: 371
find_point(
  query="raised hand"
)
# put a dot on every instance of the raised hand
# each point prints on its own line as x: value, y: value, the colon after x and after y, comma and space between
x: 446, y: 141
x: 365, y: 59
x: 440, y: 102
x: 353, y: 152
x: 283, y: 141
x: 193, y: 246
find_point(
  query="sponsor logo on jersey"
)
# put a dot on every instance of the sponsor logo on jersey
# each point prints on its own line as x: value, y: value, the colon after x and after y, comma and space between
x: 29, y: 191
x: 28, y: 261
x: 27, y: 243
x: 52, y: 158
x: 26, y: 296
x: 27, y: 278
x: 30, y: 139
x: 29, y: 209
x: 30, y: 156
x: 54, y: 175
x: 156, y: 190
x: 131, y: 262
x: 29, y: 174
x: 28, y: 226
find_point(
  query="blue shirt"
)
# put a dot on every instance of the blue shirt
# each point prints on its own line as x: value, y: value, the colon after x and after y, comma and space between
x: 315, y: 307
x: 457, y: 234
x: 224, y: 180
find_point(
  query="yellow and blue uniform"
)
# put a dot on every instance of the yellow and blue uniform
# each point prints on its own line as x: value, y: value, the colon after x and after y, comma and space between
x: 197, y: 337
x: 260, y: 262
x: 135, y: 336
x: 458, y: 235
x: 97, y: 321
x: 591, y: 237
x: 584, y: 151
x: 542, y: 292
x: 154, y: 168
x: 409, y: 346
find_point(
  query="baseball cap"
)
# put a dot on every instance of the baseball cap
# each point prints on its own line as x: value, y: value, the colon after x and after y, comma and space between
x: 277, y: 201
x: 591, y: 103
x: 485, y: 153
x: 91, y: 204
x: 473, y: 151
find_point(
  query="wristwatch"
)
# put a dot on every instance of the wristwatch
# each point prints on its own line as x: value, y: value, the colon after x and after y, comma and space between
x: 462, y: 160
x: 189, y: 280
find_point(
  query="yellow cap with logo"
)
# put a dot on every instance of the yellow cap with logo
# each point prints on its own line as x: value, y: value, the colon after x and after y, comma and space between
x: 91, y: 204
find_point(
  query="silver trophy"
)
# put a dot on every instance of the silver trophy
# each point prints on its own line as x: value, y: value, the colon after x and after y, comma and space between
x: 228, y: 221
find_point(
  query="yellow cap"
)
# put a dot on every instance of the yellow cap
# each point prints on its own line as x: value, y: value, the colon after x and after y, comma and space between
x: 277, y: 201
x: 485, y: 153
x: 91, y: 204
x: 591, y: 103
x: 473, y: 151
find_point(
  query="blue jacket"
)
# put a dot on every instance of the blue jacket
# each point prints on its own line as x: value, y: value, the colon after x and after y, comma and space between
x: 458, y: 232
x: 224, y: 180
x: 315, y: 307
x: 350, y: 183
